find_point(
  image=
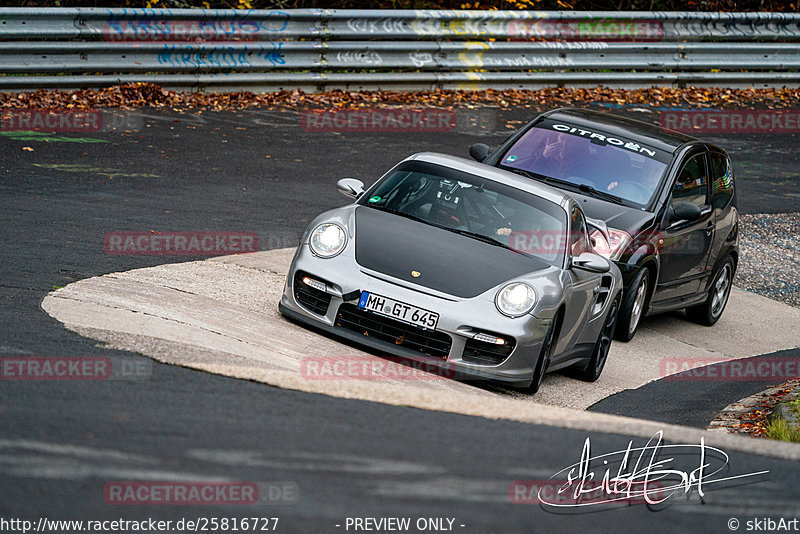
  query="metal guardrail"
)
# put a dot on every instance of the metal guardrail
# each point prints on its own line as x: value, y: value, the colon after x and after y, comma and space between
x: 322, y: 49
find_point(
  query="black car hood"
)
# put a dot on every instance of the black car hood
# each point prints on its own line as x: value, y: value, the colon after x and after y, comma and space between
x: 448, y: 262
x: 632, y: 220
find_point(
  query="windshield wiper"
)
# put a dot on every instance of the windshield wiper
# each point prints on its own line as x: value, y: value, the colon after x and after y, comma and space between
x: 583, y: 188
x: 534, y: 175
x: 484, y: 238
x: 601, y: 194
x: 398, y: 212
x: 546, y: 179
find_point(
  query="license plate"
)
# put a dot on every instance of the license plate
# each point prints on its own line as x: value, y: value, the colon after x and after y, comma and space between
x: 398, y: 310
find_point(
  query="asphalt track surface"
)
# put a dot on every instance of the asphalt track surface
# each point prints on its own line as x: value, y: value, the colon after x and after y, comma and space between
x: 679, y: 400
x: 61, y: 442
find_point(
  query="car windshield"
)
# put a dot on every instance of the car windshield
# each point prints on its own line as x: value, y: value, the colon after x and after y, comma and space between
x: 596, y: 163
x: 476, y: 207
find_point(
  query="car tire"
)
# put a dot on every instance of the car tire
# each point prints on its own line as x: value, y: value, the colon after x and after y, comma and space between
x: 591, y: 372
x: 709, y: 312
x: 632, y: 308
x: 544, y: 358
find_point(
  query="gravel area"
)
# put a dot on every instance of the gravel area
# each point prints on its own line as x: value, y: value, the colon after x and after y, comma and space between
x: 770, y: 256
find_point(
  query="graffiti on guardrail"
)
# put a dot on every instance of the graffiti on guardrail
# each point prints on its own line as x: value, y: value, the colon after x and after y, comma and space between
x: 164, y: 24
x: 775, y: 25
x: 590, y: 26
x: 366, y: 57
x: 469, y: 54
x: 221, y: 56
x: 528, y: 61
x: 438, y: 27
x: 586, y: 30
x: 387, y: 25
x: 234, y: 29
x: 451, y: 47
x: 519, y: 28
x: 421, y: 59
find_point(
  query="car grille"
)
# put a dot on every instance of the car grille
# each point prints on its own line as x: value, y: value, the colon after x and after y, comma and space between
x: 312, y: 299
x: 487, y: 353
x: 429, y: 342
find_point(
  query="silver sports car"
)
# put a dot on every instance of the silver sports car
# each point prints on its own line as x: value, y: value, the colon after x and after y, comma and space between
x: 460, y: 265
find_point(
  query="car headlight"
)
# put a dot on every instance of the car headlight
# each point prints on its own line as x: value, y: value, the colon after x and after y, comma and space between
x: 612, y: 248
x: 515, y: 299
x: 327, y: 240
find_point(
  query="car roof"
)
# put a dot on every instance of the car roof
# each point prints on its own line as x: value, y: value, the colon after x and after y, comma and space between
x: 539, y: 189
x: 649, y: 134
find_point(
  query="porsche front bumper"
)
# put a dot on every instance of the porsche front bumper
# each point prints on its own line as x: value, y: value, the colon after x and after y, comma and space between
x: 451, y: 347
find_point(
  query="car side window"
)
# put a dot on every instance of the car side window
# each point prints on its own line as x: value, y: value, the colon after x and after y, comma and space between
x: 579, y: 239
x: 692, y: 183
x: 722, y: 184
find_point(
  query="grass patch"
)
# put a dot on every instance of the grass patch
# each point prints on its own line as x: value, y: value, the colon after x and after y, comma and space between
x: 794, y: 406
x: 780, y: 430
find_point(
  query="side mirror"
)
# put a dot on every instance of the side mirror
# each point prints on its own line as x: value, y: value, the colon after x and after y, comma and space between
x: 600, y: 225
x: 684, y: 211
x: 350, y: 187
x: 479, y: 151
x: 591, y: 262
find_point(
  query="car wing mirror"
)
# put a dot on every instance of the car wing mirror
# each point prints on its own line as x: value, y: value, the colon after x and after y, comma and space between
x: 684, y: 211
x: 591, y: 262
x: 479, y: 151
x: 601, y: 227
x: 350, y: 187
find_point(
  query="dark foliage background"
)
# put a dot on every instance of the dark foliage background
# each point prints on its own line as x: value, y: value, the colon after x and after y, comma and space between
x: 593, y: 5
